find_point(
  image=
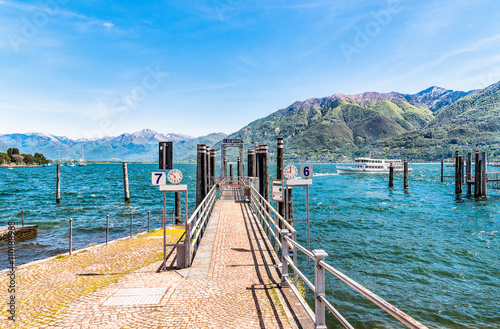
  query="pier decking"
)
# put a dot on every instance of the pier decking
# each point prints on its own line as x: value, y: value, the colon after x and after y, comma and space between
x: 233, y: 283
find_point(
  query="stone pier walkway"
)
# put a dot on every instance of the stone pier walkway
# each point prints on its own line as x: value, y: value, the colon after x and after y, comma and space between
x: 233, y: 283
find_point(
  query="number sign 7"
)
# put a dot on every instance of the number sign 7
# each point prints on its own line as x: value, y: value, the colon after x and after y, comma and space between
x: 306, y: 171
x: 158, y: 178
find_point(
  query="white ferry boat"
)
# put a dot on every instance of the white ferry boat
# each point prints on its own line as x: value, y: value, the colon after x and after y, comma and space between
x: 372, y: 166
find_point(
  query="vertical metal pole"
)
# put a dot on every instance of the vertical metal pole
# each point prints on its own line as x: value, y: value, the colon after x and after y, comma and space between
x: 279, y: 174
x: 148, y: 221
x: 284, y: 253
x: 188, y: 232
x: 22, y: 217
x: 319, y: 284
x: 177, y: 211
x: 125, y: 182
x: 295, y: 275
x: 164, y: 224
x: 70, y: 235
x: 58, y: 184
x: 131, y: 216
x: 308, y: 226
x: 107, y: 229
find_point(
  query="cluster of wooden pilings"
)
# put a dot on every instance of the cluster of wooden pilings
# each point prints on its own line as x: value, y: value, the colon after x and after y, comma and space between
x: 258, y: 166
x: 405, y: 174
x: 464, y: 175
x: 205, y: 173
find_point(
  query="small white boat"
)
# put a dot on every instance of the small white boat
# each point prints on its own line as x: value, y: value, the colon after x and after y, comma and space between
x: 71, y: 164
x: 82, y: 162
x: 371, y: 166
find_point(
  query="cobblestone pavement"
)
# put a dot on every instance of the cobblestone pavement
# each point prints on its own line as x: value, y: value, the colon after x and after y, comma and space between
x: 240, y: 290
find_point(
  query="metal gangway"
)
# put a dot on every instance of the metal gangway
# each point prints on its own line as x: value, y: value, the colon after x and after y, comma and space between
x: 284, y: 236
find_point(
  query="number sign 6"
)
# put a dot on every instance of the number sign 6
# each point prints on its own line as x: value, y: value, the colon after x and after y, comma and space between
x: 306, y: 171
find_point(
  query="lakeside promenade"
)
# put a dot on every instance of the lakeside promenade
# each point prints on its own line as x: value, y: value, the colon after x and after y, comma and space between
x: 233, y: 283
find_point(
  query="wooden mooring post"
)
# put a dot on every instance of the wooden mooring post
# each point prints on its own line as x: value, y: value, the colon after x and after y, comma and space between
x: 231, y: 172
x: 238, y: 163
x: 265, y: 172
x: 224, y: 167
x: 251, y: 162
x: 125, y: 182
x: 458, y: 173
x: 209, y: 168
x: 442, y: 170
x: 257, y: 164
x: 477, y: 177
x: 405, y: 173
x: 200, y: 174
x: 484, y: 164
x: 70, y: 235
x: 58, y: 184
x: 212, y: 166
x: 469, y: 173
x: 391, y: 175
x: 177, y: 208
x: 279, y: 173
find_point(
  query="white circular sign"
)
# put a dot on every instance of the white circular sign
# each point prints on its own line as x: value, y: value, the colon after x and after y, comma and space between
x: 174, y: 176
x: 290, y: 172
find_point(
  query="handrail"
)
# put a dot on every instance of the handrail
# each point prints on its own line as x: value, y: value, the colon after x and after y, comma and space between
x: 197, y: 222
x: 288, y: 234
x: 392, y: 310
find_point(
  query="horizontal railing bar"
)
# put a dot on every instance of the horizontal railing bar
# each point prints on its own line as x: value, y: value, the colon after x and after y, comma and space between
x: 297, y: 271
x: 301, y: 299
x: 304, y: 250
x: 336, y: 313
x: 392, y: 310
x: 296, y: 220
x: 290, y: 227
x: 191, y: 219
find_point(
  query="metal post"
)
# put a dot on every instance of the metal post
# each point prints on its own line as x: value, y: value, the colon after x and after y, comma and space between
x: 231, y: 172
x: 405, y: 172
x: 265, y: 173
x: 131, y: 216
x: 58, y: 184
x: 164, y: 224
x: 319, y: 284
x: 308, y: 226
x: 391, y: 175
x: 70, y: 235
x: 279, y: 174
x: 212, y: 165
x: 238, y: 161
x: 188, y: 232
x: 148, y: 221
x: 284, y: 262
x: 22, y: 217
x: 107, y: 229
x: 295, y: 261
x: 177, y: 211
x: 125, y: 182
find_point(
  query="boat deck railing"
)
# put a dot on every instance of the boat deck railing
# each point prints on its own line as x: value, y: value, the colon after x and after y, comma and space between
x: 284, y: 236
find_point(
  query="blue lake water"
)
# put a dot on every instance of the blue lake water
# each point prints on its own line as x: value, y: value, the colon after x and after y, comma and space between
x: 432, y: 254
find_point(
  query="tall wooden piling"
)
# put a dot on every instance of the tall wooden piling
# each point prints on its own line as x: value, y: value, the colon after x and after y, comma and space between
x: 257, y: 163
x: 391, y: 175
x: 200, y: 174
x: 442, y: 170
x: 224, y: 167
x: 405, y: 173
x: 177, y: 207
x: 212, y: 165
x: 125, y: 182
x: 279, y: 172
x: 477, y: 176
x: 251, y: 162
x: 58, y: 184
x: 265, y: 172
x: 483, y: 174
x: 209, y: 169
x: 458, y: 174
x: 238, y: 163
x: 289, y: 203
x: 469, y: 173
x: 231, y: 171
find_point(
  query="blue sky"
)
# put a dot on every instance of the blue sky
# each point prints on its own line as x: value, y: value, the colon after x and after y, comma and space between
x: 194, y: 67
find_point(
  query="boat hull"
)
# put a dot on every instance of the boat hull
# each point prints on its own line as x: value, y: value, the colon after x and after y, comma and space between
x: 352, y: 170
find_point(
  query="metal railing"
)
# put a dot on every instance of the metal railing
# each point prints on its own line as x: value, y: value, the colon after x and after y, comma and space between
x: 285, y: 238
x: 198, y: 222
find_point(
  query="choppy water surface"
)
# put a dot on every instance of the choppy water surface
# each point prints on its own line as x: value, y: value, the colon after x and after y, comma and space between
x: 424, y: 250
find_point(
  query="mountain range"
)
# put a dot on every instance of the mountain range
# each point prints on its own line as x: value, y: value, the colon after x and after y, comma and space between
x: 428, y: 125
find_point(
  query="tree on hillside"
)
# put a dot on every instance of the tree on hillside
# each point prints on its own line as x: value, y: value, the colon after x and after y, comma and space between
x: 17, y: 158
x: 13, y: 150
x: 28, y: 158
x: 4, y: 158
x: 40, y: 159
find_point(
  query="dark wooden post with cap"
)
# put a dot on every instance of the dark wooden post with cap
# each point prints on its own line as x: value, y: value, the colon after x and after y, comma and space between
x: 405, y: 173
x: 58, y: 184
x: 265, y: 172
x: 391, y: 175
x: 442, y: 170
x: 200, y: 174
x: 238, y: 162
x: 468, y: 176
x: 251, y: 162
x: 212, y: 165
x: 458, y: 178
x: 484, y: 164
x: 125, y: 182
x: 477, y: 176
